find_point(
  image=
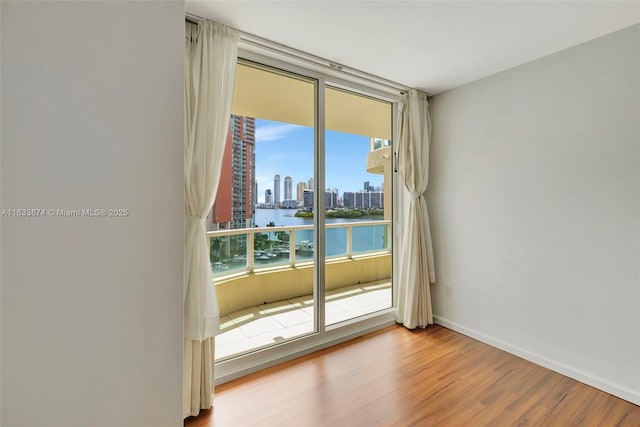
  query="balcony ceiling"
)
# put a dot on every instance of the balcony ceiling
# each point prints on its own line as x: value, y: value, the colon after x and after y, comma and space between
x: 433, y: 46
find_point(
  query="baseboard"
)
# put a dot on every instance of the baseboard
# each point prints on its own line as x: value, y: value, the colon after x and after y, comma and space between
x: 584, y: 377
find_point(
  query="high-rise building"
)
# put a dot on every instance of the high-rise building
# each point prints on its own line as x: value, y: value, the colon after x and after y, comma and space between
x: 288, y: 188
x: 234, y: 204
x: 366, y: 186
x: 300, y: 187
x: 310, y: 185
x: 363, y: 199
x: 376, y: 199
x: 276, y: 189
x: 268, y: 197
x: 255, y: 193
x: 348, y: 200
x: 330, y: 199
x: 308, y: 199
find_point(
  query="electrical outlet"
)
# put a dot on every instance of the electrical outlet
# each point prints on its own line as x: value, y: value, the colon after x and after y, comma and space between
x: 447, y: 290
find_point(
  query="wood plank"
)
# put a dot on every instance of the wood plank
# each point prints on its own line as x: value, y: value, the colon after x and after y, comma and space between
x: 397, y: 377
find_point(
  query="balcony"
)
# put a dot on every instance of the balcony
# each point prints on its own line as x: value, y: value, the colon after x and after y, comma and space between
x: 379, y: 160
x: 264, y: 280
x: 266, y: 324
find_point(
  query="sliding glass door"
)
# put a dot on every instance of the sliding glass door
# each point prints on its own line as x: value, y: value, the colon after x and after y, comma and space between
x: 358, y: 209
x: 262, y: 264
x: 300, y: 231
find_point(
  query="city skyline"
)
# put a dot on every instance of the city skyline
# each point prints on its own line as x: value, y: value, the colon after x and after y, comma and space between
x: 287, y: 150
x: 303, y: 186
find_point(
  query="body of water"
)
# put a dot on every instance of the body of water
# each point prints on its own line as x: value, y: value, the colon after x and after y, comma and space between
x: 286, y: 217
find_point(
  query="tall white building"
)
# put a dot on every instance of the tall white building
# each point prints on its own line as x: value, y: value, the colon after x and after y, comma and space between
x: 310, y: 186
x: 276, y: 189
x: 288, y: 188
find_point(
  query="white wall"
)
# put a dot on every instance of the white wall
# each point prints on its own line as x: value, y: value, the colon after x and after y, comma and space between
x: 534, y: 203
x: 92, y: 117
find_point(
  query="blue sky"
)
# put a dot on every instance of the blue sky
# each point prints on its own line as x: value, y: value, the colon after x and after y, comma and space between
x: 287, y: 150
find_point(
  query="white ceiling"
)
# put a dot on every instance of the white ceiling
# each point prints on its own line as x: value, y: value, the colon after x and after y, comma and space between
x: 429, y: 45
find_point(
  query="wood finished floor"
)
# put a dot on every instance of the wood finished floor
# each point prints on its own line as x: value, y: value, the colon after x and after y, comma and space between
x: 397, y: 377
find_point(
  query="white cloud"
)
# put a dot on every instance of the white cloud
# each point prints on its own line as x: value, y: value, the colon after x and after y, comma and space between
x: 274, y: 132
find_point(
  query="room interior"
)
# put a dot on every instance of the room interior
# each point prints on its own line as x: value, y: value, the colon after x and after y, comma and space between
x: 534, y: 193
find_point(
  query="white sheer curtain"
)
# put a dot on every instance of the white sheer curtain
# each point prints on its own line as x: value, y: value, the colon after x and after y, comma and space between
x: 416, y: 253
x: 210, y: 62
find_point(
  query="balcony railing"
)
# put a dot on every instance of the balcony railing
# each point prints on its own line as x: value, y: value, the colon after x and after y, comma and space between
x: 378, y: 143
x: 251, y: 249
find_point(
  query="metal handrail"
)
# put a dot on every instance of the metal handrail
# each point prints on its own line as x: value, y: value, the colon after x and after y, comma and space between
x: 292, y: 229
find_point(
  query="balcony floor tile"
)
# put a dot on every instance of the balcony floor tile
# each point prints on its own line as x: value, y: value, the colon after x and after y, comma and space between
x: 293, y: 317
x: 260, y: 326
x: 226, y: 323
x: 230, y: 336
x: 247, y: 315
x: 267, y: 324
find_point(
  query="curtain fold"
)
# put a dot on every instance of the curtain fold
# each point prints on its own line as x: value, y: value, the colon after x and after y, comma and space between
x: 416, y: 252
x: 198, y: 378
x: 211, y: 51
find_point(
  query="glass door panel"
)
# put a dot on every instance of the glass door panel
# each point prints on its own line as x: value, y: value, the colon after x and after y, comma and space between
x: 261, y: 224
x: 358, y: 211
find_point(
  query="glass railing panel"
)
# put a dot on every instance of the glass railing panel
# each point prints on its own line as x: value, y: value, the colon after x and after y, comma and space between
x: 377, y: 143
x: 336, y: 242
x: 271, y: 249
x: 304, y: 245
x: 370, y: 238
x: 228, y: 254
